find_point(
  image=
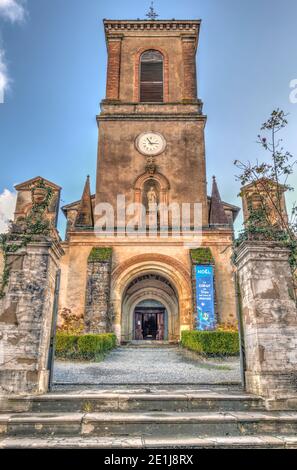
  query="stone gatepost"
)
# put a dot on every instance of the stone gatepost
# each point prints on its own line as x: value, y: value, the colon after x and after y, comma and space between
x: 26, y: 315
x: 97, y: 310
x: 269, y: 319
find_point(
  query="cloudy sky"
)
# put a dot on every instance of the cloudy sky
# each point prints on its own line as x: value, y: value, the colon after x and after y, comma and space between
x: 12, y: 11
x: 52, y: 78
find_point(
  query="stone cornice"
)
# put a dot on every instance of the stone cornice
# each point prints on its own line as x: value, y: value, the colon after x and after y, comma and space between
x: 45, y: 245
x: 26, y: 185
x: 127, y: 107
x: 209, y: 238
x: 151, y: 117
x: 118, y: 29
x: 260, y: 251
x: 187, y: 26
x: 120, y: 110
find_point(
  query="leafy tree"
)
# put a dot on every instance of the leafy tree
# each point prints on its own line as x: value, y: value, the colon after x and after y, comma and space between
x: 267, y: 218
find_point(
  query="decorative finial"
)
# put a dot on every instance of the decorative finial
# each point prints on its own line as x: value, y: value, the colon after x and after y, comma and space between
x: 152, y: 15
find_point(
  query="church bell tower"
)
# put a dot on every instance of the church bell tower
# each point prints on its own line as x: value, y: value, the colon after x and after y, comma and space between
x: 151, y: 125
x: 150, y: 285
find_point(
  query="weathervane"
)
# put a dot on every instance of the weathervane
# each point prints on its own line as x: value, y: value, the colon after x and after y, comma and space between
x: 152, y: 15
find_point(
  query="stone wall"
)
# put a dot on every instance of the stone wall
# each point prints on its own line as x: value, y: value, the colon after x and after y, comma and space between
x: 97, y: 311
x: 117, y: 174
x: 26, y: 314
x: 75, y: 270
x: 269, y: 319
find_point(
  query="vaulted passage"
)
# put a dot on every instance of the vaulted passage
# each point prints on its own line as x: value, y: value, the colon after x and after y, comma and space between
x: 150, y: 309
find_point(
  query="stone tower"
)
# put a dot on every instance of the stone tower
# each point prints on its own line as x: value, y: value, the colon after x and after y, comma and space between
x: 151, y: 152
x: 151, y: 88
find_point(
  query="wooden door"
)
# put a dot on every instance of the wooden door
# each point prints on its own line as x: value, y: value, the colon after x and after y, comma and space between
x: 161, y: 326
x: 138, y: 326
x: 149, y: 324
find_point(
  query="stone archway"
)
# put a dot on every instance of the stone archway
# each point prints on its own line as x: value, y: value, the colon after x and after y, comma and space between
x: 153, y: 287
x: 172, y: 271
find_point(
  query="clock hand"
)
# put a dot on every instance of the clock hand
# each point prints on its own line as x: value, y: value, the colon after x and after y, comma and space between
x: 152, y: 143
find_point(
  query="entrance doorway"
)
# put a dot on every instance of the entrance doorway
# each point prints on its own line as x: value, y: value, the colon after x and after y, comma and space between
x: 150, y: 310
x: 150, y: 321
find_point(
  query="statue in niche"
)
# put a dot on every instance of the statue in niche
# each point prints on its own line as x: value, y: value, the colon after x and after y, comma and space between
x: 152, y: 196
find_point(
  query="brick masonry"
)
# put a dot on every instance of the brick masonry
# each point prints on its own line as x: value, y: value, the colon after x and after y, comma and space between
x: 189, y: 59
x: 269, y: 320
x: 113, y: 69
x: 26, y: 314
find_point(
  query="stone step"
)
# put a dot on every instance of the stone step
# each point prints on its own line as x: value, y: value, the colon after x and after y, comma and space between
x: 186, y: 401
x: 151, y: 344
x: 138, y: 442
x: 150, y: 425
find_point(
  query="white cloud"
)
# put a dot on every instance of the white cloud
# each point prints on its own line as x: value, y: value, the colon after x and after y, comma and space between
x: 12, y: 10
x: 4, y: 80
x: 7, y: 208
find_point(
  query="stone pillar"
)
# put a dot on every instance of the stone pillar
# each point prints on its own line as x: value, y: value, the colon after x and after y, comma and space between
x: 190, y: 75
x: 269, y: 319
x: 116, y: 308
x: 114, y: 46
x: 97, y: 311
x: 26, y: 314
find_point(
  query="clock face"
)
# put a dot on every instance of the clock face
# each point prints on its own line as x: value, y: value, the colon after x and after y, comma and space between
x: 150, y: 143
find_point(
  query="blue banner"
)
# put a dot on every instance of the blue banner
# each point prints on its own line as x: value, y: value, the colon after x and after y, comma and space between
x: 205, y: 297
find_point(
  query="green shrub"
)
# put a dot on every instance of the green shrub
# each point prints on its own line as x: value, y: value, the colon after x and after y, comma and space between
x: 66, y: 345
x: 101, y: 255
x: 202, y: 255
x: 213, y: 343
x: 88, y: 347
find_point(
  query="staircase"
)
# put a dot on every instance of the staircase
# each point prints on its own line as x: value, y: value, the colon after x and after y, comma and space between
x: 146, y: 417
x: 150, y: 344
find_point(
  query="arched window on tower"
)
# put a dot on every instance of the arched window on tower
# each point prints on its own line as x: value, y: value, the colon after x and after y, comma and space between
x: 151, y: 77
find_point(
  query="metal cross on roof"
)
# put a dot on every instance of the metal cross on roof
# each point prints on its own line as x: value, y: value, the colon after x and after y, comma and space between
x: 152, y: 15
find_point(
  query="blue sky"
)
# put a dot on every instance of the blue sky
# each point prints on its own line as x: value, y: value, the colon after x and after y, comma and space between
x: 56, y: 59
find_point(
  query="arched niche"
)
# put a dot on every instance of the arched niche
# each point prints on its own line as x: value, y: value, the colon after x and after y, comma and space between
x: 156, y: 180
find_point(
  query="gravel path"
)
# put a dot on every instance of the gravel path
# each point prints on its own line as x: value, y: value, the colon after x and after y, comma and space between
x: 149, y: 366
